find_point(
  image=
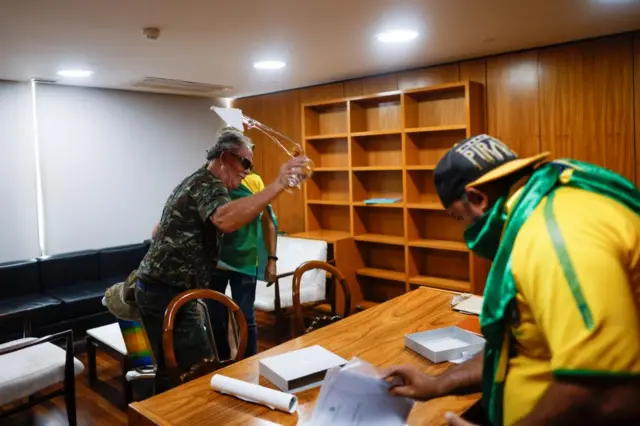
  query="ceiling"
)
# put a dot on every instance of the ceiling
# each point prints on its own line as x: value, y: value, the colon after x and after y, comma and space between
x: 217, y: 41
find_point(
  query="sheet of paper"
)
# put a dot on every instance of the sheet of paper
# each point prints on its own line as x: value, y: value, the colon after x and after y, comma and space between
x: 472, y: 305
x: 350, y: 398
x: 231, y: 116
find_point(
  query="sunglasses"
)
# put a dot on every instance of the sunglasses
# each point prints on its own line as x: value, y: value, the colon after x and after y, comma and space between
x: 246, y: 163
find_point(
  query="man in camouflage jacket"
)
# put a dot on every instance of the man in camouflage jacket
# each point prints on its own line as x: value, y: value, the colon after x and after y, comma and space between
x: 187, y: 242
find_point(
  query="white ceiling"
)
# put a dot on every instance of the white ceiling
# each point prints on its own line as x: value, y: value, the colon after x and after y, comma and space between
x: 217, y: 41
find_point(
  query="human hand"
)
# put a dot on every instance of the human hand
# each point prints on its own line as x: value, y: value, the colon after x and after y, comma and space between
x: 294, y: 166
x: 412, y: 383
x: 453, y: 420
x: 270, y: 272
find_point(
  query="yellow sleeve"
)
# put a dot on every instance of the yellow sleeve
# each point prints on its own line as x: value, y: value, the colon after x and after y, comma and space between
x: 574, y: 265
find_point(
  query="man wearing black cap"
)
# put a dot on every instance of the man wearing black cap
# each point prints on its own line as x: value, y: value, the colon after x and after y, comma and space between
x: 561, y: 310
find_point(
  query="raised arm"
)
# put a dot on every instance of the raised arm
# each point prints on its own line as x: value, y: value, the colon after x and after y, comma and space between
x: 234, y: 215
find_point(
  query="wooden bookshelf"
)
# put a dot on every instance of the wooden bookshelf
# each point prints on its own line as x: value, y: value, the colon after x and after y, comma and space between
x: 387, y: 146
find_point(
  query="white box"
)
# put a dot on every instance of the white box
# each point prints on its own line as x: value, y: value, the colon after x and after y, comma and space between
x: 444, y: 344
x: 299, y: 369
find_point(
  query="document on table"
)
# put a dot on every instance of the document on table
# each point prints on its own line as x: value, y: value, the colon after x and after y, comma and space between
x: 357, y: 397
x: 469, y: 305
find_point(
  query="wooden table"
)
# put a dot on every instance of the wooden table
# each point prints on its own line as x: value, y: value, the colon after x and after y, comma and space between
x: 375, y: 335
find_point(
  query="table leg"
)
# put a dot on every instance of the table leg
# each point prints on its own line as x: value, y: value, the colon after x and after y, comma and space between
x: 127, y: 388
x: 91, y: 360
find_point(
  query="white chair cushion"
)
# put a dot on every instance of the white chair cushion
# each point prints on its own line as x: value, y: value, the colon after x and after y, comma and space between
x: 110, y: 335
x: 292, y: 252
x: 30, y: 370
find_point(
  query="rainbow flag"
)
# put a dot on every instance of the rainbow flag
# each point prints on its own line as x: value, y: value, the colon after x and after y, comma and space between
x: 137, y: 343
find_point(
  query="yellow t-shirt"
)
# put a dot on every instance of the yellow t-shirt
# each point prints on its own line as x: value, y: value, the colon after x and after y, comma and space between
x: 585, y: 323
x: 254, y: 183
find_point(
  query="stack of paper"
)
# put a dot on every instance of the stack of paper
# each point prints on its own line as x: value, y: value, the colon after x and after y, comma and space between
x: 470, y: 305
x: 356, y: 395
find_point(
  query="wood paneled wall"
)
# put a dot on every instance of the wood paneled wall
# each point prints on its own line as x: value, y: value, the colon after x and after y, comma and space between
x: 575, y: 100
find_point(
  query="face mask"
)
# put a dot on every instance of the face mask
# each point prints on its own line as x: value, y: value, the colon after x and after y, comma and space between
x: 483, y: 235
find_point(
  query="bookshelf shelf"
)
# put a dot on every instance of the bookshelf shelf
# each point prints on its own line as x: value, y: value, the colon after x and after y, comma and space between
x: 441, y: 283
x: 387, y: 146
x: 380, y: 238
x: 384, y: 274
x: 329, y: 202
x: 444, y: 106
x: 323, y: 234
x: 326, y: 119
x: 328, y: 186
x: 424, y: 149
x: 378, y: 184
x: 336, y: 220
x: 376, y: 114
x: 377, y: 151
x: 445, y: 265
x: 329, y: 152
x: 397, y: 205
x: 377, y: 224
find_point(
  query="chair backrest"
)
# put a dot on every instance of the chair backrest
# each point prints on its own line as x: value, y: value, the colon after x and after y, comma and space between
x: 336, y: 276
x: 207, y: 365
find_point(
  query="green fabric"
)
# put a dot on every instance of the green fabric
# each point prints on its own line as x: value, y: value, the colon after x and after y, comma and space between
x: 241, y: 250
x: 565, y: 261
x: 500, y: 289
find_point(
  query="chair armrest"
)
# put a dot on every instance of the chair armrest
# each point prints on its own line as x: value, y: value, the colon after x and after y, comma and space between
x: 68, y: 335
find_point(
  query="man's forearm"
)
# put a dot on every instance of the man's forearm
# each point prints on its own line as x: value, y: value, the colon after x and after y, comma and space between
x: 462, y: 377
x: 592, y: 403
x: 269, y: 232
x: 236, y: 214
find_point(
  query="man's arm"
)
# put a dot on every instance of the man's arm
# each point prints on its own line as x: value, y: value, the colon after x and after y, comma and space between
x: 234, y: 215
x: 586, y: 402
x: 413, y: 383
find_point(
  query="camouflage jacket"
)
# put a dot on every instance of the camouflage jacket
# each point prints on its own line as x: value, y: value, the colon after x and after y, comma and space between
x: 187, y: 245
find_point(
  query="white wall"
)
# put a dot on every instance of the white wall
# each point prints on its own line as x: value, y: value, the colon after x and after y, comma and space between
x: 111, y: 158
x: 18, y: 203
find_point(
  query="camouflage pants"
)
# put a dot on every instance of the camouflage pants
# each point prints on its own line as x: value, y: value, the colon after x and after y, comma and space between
x: 190, y: 340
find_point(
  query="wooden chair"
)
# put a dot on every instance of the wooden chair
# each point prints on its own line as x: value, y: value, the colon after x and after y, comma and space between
x: 238, y: 323
x: 318, y: 322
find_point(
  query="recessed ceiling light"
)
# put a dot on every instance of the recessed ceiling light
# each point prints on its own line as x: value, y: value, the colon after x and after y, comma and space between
x: 269, y: 65
x: 397, y: 36
x: 75, y: 73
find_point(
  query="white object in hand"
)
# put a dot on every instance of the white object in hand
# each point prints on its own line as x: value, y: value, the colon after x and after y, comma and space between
x: 250, y: 392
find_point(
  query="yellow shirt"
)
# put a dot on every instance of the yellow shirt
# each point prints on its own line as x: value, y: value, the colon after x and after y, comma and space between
x: 581, y: 324
x: 254, y: 183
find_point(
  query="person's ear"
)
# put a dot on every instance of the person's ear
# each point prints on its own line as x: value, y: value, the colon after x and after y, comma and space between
x: 477, y: 198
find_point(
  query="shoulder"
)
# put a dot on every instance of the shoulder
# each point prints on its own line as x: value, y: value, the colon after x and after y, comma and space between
x: 585, y: 223
x: 254, y: 183
x: 202, y: 181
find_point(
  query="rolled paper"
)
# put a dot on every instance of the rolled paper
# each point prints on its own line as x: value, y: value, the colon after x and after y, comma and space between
x: 251, y: 392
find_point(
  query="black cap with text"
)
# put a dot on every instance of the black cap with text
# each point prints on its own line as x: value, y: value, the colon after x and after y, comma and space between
x: 467, y: 161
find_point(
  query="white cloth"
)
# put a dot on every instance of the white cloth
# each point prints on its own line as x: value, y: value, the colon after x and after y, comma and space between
x: 292, y: 252
x: 27, y: 371
x: 110, y: 335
